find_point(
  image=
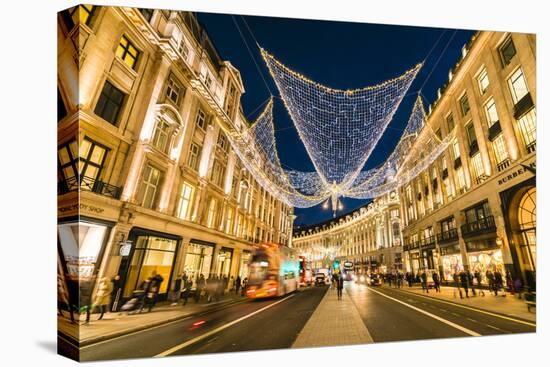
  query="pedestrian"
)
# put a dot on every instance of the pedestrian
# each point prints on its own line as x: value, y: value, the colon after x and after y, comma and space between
x: 498, y: 283
x: 509, y: 282
x: 471, y: 281
x: 491, y: 280
x: 225, y: 284
x: 116, y: 293
x: 409, y: 279
x: 153, y: 289
x: 399, y: 279
x: 176, y: 291
x: 436, y: 280
x: 389, y: 278
x: 477, y: 276
x: 201, y: 285
x: 464, y: 282
x: 103, y: 296
x: 243, y: 286
x: 340, y: 285
x: 424, y: 281
x: 518, y: 286
x: 456, y: 279
x: 237, y: 284
x: 232, y: 282
x: 186, y: 290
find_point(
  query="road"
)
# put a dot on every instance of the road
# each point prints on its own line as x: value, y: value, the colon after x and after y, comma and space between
x: 397, y: 315
x: 388, y: 314
x: 261, y: 324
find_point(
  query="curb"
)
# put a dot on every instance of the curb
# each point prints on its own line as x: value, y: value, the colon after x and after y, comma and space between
x: 474, y: 307
x: 116, y: 334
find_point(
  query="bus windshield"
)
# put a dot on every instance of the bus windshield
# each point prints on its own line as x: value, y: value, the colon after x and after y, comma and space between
x: 258, y: 268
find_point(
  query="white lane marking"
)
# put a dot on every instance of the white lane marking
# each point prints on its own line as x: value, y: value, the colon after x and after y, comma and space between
x: 136, y: 332
x: 478, y: 310
x: 493, y: 327
x: 217, y: 330
x: 472, y: 320
x: 452, y: 324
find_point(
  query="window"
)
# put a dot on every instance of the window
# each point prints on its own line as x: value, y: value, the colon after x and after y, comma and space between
x: 501, y: 155
x: 67, y: 156
x: 456, y: 150
x: 200, y: 119
x: 528, y: 127
x: 229, y: 221
x: 110, y: 103
x: 483, y: 81
x: 211, y: 218
x: 477, y: 213
x: 194, y: 156
x: 149, y: 185
x: 218, y: 173
x: 92, y: 157
x: 464, y: 105
x: 507, y: 51
x: 448, y: 224
x: 61, y: 109
x: 80, y: 14
x: 461, y: 179
x: 174, y: 90
x: 491, y: 112
x: 223, y: 143
x: 127, y: 52
x: 477, y: 166
x: 147, y: 13
x: 161, y: 136
x: 185, y: 201
x: 518, y: 85
x: 231, y: 101
x: 450, y: 122
x: 438, y: 134
x: 183, y: 48
x: 470, y: 130
x: 208, y: 80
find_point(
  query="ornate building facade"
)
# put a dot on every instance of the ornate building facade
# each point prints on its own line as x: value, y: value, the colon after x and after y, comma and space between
x: 148, y: 182
x: 369, y: 237
x: 474, y: 208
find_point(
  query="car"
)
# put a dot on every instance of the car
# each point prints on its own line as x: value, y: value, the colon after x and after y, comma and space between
x: 374, y: 280
x: 320, y: 279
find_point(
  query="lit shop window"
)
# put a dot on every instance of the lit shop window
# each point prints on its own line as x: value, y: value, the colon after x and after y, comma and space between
x: 185, y: 201
x: 149, y: 186
x: 483, y: 81
x: 127, y: 52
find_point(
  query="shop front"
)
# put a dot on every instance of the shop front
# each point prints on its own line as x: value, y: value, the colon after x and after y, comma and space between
x: 451, y: 260
x: 225, y: 256
x: 485, y: 255
x: 415, y: 261
x: 81, y: 245
x: 152, y: 253
x: 246, y: 258
x: 198, y: 259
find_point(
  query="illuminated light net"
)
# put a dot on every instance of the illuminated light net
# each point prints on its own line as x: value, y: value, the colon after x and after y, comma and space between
x: 339, y: 128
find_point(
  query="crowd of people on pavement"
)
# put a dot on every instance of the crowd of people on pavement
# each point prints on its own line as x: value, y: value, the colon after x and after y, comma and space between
x: 108, y: 295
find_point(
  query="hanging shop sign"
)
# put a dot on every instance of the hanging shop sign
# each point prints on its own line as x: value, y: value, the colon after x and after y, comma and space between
x: 125, y: 248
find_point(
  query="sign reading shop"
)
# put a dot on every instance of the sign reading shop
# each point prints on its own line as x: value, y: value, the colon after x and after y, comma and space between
x: 520, y: 170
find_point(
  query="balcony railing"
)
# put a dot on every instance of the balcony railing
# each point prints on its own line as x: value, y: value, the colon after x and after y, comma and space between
x: 428, y: 242
x: 447, y: 236
x: 88, y: 184
x: 531, y: 147
x: 481, y: 226
x: 504, y: 164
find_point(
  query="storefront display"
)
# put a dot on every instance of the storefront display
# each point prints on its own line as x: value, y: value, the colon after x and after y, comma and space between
x: 451, y: 264
x: 225, y: 255
x: 246, y: 257
x: 486, y: 260
x: 198, y: 259
x: 152, y: 255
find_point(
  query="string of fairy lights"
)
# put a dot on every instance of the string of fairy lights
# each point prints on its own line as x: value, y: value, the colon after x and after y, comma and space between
x: 339, y: 129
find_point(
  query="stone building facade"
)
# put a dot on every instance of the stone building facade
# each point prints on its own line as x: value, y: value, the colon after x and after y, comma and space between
x: 369, y: 237
x: 148, y: 182
x: 474, y: 207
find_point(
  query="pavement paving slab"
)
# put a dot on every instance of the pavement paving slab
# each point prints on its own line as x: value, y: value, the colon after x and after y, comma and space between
x: 334, y: 322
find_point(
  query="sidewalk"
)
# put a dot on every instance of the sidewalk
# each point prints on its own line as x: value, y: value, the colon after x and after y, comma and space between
x: 116, y: 324
x: 509, y: 305
x: 333, y: 323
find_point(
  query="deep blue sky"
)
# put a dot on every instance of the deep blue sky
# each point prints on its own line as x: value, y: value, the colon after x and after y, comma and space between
x: 341, y: 55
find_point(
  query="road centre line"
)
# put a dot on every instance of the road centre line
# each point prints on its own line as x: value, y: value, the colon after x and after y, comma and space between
x: 476, y: 309
x: 218, y: 329
x: 452, y: 324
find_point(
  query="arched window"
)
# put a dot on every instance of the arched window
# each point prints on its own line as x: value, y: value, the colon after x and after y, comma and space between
x: 527, y: 218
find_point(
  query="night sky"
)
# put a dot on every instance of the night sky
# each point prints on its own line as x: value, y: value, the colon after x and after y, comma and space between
x: 341, y: 55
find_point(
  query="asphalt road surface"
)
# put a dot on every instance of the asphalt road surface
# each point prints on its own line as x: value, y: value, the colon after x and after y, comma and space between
x: 252, y: 325
x: 397, y: 315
